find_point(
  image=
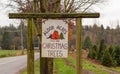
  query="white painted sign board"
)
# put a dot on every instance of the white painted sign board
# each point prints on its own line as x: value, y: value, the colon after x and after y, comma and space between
x: 54, y: 39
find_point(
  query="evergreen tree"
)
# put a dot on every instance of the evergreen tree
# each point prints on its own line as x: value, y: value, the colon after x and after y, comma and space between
x: 116, y: 55
x: 107, y: 59
x: 111, y: 50
x: 93, y: 52
x: 87, y: 43
x: 101, y: 50
x: 102, y: 27
x: 6, y: 41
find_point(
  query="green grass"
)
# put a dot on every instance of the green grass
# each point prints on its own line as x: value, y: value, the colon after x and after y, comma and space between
x: 62, y: 68
x: 117, y: 69
x: 8, y: 53
x: 93, y: 67
x: 72, y: 60
x: 37, y: 68
x: 89, y: 66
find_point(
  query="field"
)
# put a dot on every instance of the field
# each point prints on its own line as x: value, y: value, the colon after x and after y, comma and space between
x: 8, y: 53
x: 67, y: 66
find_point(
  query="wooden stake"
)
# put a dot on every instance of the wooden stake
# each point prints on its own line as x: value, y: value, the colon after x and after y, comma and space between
x: 79, y: 45
x: 30, y: 49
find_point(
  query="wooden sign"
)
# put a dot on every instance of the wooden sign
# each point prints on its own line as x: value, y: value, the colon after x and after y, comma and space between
x: 54, y: 38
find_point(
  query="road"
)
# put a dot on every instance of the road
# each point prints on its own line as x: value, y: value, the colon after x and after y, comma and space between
x: 13, y: 65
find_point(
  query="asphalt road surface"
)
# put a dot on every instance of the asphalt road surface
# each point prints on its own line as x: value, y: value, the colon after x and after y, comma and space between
x: 13, y: 65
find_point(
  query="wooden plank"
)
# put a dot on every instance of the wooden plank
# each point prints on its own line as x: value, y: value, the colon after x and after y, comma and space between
x: 79, y: 46
x: 53, y: 15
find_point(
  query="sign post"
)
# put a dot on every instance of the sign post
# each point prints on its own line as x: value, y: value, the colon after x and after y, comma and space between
x: 30, y: 48
x: 78, y: 45
x: 59, y: 15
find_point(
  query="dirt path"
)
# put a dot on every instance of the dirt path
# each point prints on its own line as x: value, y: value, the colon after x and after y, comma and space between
x: 87, y: 72
x: 110, y: 71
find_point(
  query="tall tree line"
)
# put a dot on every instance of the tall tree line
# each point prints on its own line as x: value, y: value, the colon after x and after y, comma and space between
x: 10, y: 37
x: 94, y: 34
x: 90, y: 34
x: 97, y: 33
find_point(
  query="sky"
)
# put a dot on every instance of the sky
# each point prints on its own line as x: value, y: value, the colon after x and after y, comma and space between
x: 109, y: 15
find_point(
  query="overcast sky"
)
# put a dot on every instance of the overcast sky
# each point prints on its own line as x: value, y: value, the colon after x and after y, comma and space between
x: 110, y: 14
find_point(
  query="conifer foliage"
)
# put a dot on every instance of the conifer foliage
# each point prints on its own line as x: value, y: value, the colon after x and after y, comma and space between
x: 87, y: 43
x: 6, y: 41
x: 116, y: 55
x: 107, y: 59
x: 93, y: 52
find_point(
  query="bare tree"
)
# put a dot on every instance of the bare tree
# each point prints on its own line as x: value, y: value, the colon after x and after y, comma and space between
x: 80, y: 6
x: 65, y: 6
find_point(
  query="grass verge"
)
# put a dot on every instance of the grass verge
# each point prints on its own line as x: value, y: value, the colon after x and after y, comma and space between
x: 115, y: 69
x: 93, y: 67
x: 60, y: 67
x: 8, y: 53
x: 89, y: 66
x: 37, y: 68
